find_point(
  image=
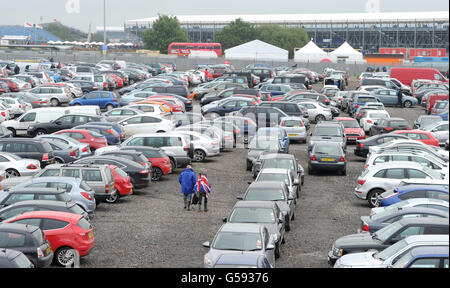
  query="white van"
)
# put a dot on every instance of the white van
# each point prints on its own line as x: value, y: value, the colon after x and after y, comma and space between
x: 20, y: 125
x: 88, y: 109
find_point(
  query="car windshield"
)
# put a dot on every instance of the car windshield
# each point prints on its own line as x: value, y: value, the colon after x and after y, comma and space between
x: 350, y: 124
x: 391, y: 250
x: 398, y: 123
x: 22, y: 261
x: 65, y: 197
x: 252, y: 215
x: 402, y: 262
x: 386, y: 232
x: 120, y: 172
x: 275, y: 194
x: 273, y: 177
x: 433, y: 173
x: 327, y: 131
x: 278, y: 163
x: 85, y: 186
x: 264, y: 144
x: 240, y: 241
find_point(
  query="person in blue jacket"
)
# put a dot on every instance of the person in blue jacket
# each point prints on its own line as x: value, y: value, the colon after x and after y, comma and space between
x: 187, y: 179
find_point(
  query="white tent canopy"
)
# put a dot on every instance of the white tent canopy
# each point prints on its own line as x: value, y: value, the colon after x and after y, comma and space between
x: 257, y: 50
x: 310, y: 53
x: 345, y: 51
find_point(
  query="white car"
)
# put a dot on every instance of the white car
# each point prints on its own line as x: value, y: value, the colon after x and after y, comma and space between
x: 439, y: 131
x: 23, y: 85
x: 377, y: 105
x: 412, y: 145
x: 379, y: 178
x: 4, y: 113
x: 317, y: 111
x: 389, y: 256
x: 145, y: 124
x: 204, y: 146
x: 17, y: 106
x: 371, y: 117
x: 16, y: 166
x: 369, y: 88
x: 149, y: 109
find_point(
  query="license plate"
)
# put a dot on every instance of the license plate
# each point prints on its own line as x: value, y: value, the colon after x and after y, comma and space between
x: 352, y: 139
x: 328, y: 159
x: 90, y: 235
x: 47, y: 251
x: 293, y: 135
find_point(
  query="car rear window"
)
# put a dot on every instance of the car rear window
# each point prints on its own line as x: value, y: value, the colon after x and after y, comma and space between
x: 85, y: 186
x: 84, y: 224
x: 38, y: 236
x: 65, y: 197
x: 293, y: 123
x: 76, y: 209
x: 327, y: 149
x: 120, y: 172
x: 398, y: 123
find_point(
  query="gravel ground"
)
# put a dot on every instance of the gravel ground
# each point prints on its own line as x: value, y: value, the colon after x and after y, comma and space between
x: 150, y: 229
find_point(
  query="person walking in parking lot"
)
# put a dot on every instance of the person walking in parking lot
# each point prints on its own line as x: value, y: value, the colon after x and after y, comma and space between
x: 203, y: 190
x: 187, y: 179
x: 17, y: 70
x: 400, y: 98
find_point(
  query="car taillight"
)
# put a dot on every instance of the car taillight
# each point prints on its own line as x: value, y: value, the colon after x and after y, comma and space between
x: 282, y: 123
x: 342, y: 159
x: 114, y: 99
x: 20, y: 106
x: 214, y: 143
x: 121, y: 135
x: 104, y: 84
x: 360, y: 145
x: 365, y: 228
x: 85, y: 149
x: 144, y: 171
x: 107, y: 189
x: 3, y: 114
x: 388, y: 128
x: 361, y: 182
x: 40, y: 254
x: 357, y: 106
x: 186, y: 149
x: 369, y: 121
x: 95, y: 88
x: 72, y: 153
x: 366, y: 166
x: 86, y: 195
x: 31, y: 167
x: 313, y: 158
x: 236, y: 131
x: 358, y: 115
x: 45, y: 157
x: 110, y: 131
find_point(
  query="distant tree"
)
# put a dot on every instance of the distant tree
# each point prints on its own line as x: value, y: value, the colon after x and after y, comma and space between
x: 165, y: 30
x: 283, y: 37
x: 60, y: 31
x: 237, y: 33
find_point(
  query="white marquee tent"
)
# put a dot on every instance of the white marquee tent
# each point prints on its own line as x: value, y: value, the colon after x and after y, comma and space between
x: 257, y: 50
x: 347, y: 53
x: 310, y: 53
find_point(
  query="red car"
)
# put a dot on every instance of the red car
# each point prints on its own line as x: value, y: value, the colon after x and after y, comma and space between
x: 422, y: 136
x: 92, y: 138
x: 353, y: 131
x: 122, y: 182
x: 13, y: 87
x: 64, y: 231
x: 160, y: 161
x: 119, y: 81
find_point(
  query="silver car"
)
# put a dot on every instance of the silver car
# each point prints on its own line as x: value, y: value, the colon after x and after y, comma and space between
x: 382, y: 177
x: 414, y: 156
x: 16, y: 166
x: 119, y: 114
x: 317, y: 111
x: 295, y: 128
x: 240, y: 238
x: 388, y: 257
x: 439, y: 131
x: 413, y: 202
x: 282, y: 175
x: 57, y: 96
x: 80, y: 192
x: 83, y: 148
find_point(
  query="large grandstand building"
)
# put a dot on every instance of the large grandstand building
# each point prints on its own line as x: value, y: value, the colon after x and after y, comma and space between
x: 28, y: 35
x: 364, y: 31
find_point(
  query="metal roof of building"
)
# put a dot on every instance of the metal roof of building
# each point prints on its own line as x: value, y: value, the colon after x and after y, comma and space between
x: 308, y: 18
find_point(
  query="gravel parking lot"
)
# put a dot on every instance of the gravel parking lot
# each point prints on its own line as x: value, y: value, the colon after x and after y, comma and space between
x: 150, y: 229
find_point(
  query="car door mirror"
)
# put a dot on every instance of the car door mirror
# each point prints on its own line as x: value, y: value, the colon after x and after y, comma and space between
x: 124, y: 123
x: 270, y: 247
x: 206, y: 245
x: 375, y: 123
x: 296, y: 182
x: 224, y: 220
x: 240, y: 198
x: 58, y: 122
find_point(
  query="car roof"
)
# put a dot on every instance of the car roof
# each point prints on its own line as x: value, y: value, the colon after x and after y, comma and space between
x: 426, y: 238
x: 17, y: 227
x: 36, y: 190
x: 406, y: 164
x: 50, y: 214
x: 55, y: 178
x: 267, y: 184
x: 241, y: 227
x: 409, y: 210
x: 272, y: 155
x: 424, y: 220
x: 255, y: 204
x: 429, y: 251
x: 41, y: 203
x: 274, y: 171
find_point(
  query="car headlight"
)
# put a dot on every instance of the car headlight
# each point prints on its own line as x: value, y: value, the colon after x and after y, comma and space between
x: 207, y: 262
x: 337, y: 251
x: 31, y: 128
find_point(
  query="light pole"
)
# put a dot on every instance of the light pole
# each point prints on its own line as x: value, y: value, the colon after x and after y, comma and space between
x: 104, y: 29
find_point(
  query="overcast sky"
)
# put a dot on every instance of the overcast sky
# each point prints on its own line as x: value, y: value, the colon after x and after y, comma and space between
x: 79, y: 13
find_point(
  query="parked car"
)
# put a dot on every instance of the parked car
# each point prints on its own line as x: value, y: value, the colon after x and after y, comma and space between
x: 426, y: 120
x: 261, y: 212
x: 240, y: 238
x: 388, y: 257
x: 386, y: 236
x: 439, y: 131
x: 421, y: 157
x: 328, y: 132
x: 56, y: 96
x: 103, y: 99
x: 14, y: 259
x: 282, y: 175
x: 158, y: 158
x: 119, y: 114
x: 384, y: 126
x: 370, y: 117
x: 327, y: 156
x: 62, y: 123
x: 295, y: 128
x: 274, y: 191
x: 277, y: 132
x: 30, y: 148
x: 389, y: 98
x: 260, y: 145
x: 242, y: 261
x: 94, y: 139
x: 16, y: 166
x: 83, y: 148
x: 64, y: 231
x: 28, y: 239
x: 382, y: 177
x: 403, y: 193
x: 353, y: 131
x: 437, y: 204
x: 146, y: 124
x: 17, y: 194
x: 276, y: 160
x: 317, y: 111
x: 223, y: 107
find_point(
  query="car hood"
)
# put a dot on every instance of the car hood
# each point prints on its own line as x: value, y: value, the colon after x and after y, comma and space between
x: 353, y: 131
x: 254, y: 153
x: 325, y: 138
x: 214, y: 254
x: 362, y: 260
x: 360, y: 240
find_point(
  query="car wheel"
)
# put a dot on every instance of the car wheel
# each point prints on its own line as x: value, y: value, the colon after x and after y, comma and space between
x: 54, y: 102
x: 109, y: 107
x: 13, y: 131
x: 249, y: 166
x: 320, y: 118
x: 39, y: 132
x: 277, y: 250
x: 113, y: 198
x: 11, y: 173
x: 59, y: 161
x: 172, y: 164
x: 288, y: 223
x: 199, y: 155
x: 372, y: 197
x: 64, y: 256
x: 407, y: 104
x: 156, y: 173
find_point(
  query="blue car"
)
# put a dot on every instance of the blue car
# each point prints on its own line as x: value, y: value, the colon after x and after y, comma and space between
x: 444, y: 116
x: 280, y: 133
x: 135, y: 96
x: 226, y: 106
x: 413, y: 191
x: 389, y: 98
x: 361, y: 100
x: 55, y: 77
x: 103, y: 99
x: 424, y: 257
x: 242, y: 260
x: 276, y: 89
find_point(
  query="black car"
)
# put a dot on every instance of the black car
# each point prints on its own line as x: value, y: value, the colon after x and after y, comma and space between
x: 362, y: 146
x: 5, y: 133
x: 134, y: 156
x: 140, y: 175
x: 290, y: 108
x: 28, y: 239
x: 251, y: 78
x: 62, y: 123
x: 387, y: 236
x: 263, y: 116
x: 14, y: 259
x: 85, y: 86
x: 216, y: 95
x: 14, y: 195
x: 37, y: 149
x: 41, y: 205
x: 384, y: 126
x: 64, y: 153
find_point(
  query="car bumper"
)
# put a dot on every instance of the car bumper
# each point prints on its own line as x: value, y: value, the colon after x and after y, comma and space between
x: 360, y: 194
x: 331, y: 258
x: 45, y: 261
x: 361, y: 153
x: 297, y: 136
x: 183, y: 161
x: 327, y: 166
